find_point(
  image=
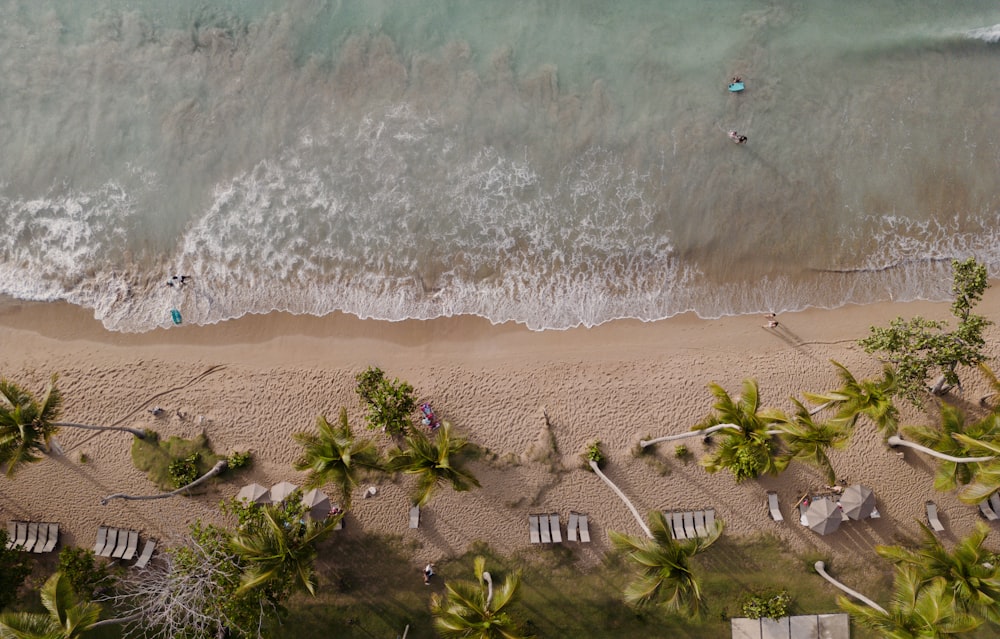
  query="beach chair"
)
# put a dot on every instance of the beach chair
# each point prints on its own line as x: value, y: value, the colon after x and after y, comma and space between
x: 415, y: 517
x: 689, y: 525
x: 987, y: 511
x: 556, y: 532
x: 122, y: 544
x: 147, y: 552
x: 571, y: 527
x: 340, y: 522
x: 11, y: 534
x: 678, y: 527
x: 543, y: 528
x: 533, y: 529
x: 772, y: 506
x: 995, y: 503
x: 22, y: 534
x: 53, y: 538
x: 699, y: 523
x: 584, y: 529
x: 132, y: 547
x: 710, y: 521
x: 109, y: 547
x: 932, y: 517
x: 43, y: 535
x: 32, y: 537
x: 102, y: 539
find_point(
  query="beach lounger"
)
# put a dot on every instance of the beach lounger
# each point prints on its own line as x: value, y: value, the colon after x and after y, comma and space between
x: 43, y: 535
x: 102, y: 539
x: 571, y: 527
x: 132, y: 547
x: 995, y: 503
x: 987, y: 511
x: 932, y: 517
x: 32, y: 537
x: 689, y: 525
x: 22, y: 534
x: 543, y: 528
x: 556, y: 531
x: 340, y: 522
x: 710, y: 520
x: 415, y: 517
x: 699, y: 523
x: 533, y: 529
x: 119, y: 550
x: 584, y: 529
x: 147, y: 552
x: 53, y: 538
x: 678, y: 526
x: 772, y: 506
x: 109, y: 547
x: 11, y: 534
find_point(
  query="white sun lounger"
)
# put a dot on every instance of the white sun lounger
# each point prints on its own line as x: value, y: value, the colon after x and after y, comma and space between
x: 679, y: 526
x: 32, y: 537
x: 132, y: 547
x: 543, y: 528
x: 533, y: 529
x: 584, y: 529
x: 710, y: 521
x: 571, y: 526
x: 995, y: 503
x: 102, y: 538
x: 147, y: 552
x: 53, y: 538
x: 932, y: 517
x: 772, y: 506
x: 556, y: 532
x: 987, y: 511
x: 43, y: 535
x: 415, y: 517
x: 122, y: 546
x: 109, y: 547
x: 689, y: 525
x: 11, y: 534
x: 699, y: 523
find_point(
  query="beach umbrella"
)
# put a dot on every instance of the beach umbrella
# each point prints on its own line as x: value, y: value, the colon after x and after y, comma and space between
x: 824, y: 516
x: 254, y: 494
x: 282, y: 490
x: 317, y: 504
x: 858, y: 501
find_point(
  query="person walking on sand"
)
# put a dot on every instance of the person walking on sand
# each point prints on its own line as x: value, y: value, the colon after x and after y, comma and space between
x: 428, y: 573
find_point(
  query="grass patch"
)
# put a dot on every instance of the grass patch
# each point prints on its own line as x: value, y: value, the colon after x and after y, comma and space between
x: 154, y: 456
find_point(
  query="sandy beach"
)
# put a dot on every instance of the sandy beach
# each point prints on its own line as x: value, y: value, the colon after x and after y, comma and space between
x: 616, y: 383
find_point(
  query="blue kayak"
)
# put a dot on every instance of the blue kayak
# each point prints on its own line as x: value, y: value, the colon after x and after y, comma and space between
x: 736, y: 87
x: 175, y: 315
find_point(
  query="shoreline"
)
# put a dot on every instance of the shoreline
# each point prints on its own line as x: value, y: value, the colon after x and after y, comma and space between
x: 617, y: 383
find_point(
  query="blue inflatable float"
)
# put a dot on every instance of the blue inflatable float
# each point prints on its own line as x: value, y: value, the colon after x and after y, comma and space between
x: 736, y: 87
x: 175, y: 315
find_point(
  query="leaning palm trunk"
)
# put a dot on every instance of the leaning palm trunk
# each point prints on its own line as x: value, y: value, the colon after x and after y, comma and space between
x: 705, y: 432
x: 621, y: 495
x: 821, y: 569
x: 220, y: 466
x: 896, y: 440
x: 138, y: 433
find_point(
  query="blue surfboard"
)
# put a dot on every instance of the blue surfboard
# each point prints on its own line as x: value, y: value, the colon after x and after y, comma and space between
x: 175, y: 315
x: 736, y: 87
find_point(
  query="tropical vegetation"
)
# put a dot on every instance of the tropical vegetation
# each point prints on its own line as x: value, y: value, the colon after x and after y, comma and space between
x: 389, y: 403
x: 65, y: 618
x: 477, y: 610
x: 435, y: 460
x: 333, y: 455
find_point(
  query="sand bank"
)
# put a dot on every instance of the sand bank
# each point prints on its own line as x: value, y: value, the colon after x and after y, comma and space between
x: 616, y: 383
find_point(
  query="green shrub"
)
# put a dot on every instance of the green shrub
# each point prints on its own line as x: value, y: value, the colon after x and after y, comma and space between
x: 772, y: 604
x: 239, y: 460
x: 85, y: 574
x: 594, y: 453
x: 682, y: 452
x: 154, y: 456
x: 184, y: 471
x: 14, y: 569
x: 390, y: 404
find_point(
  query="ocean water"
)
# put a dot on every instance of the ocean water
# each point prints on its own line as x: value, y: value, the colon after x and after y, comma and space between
x: 551, y: 162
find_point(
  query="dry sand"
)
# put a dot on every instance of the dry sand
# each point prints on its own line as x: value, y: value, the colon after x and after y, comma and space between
x: 616, y: 383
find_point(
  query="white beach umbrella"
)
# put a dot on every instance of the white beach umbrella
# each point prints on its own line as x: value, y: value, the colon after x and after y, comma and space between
x: 254, y: 494
x: 824, y: 516
x: 282, y: 490
x: 858, y: 501
x: 317, y: 504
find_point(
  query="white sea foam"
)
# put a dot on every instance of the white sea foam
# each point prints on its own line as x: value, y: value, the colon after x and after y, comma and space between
x: 986, y: 34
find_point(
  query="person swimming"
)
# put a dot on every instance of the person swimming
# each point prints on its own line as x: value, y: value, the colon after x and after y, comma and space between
x: 737, y: 138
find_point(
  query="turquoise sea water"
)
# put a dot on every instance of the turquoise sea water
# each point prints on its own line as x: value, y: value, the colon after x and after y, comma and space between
x: 554, y: 163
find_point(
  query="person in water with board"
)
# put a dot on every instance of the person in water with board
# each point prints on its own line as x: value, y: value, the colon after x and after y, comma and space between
x: 737, y: 138
x: 736, y: 84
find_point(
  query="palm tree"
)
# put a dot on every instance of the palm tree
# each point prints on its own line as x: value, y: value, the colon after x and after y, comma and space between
x: 66, y: 617
x: 664, y: 563
x: 919, y: 610
x: 986, y: 480
x: 748, y: 450
x: 477, y: 610
x: 967, y: 571
x: 333, y: 455
x: 808, y: 441
x: 950, y: 473
x: 435, y: 461
x: 871, y: 398
x: 280, y: 548
x: 217, y: 469
x: 28, y: 425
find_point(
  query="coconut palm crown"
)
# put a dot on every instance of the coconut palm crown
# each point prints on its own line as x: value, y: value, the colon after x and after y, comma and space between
x: 477, y: 610
x: 869, y: 398
x: 333, y: 455
x: 808, y: 440
x: 749, y: 450
x: 66, y: 618
x: 26, y: 424
x: 435, y: 461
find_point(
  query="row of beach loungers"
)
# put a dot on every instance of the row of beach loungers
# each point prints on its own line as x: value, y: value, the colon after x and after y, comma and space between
x: 31, y: 536
x: 545, y: 529
x: 691, y: 524
x: 118, y: 543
